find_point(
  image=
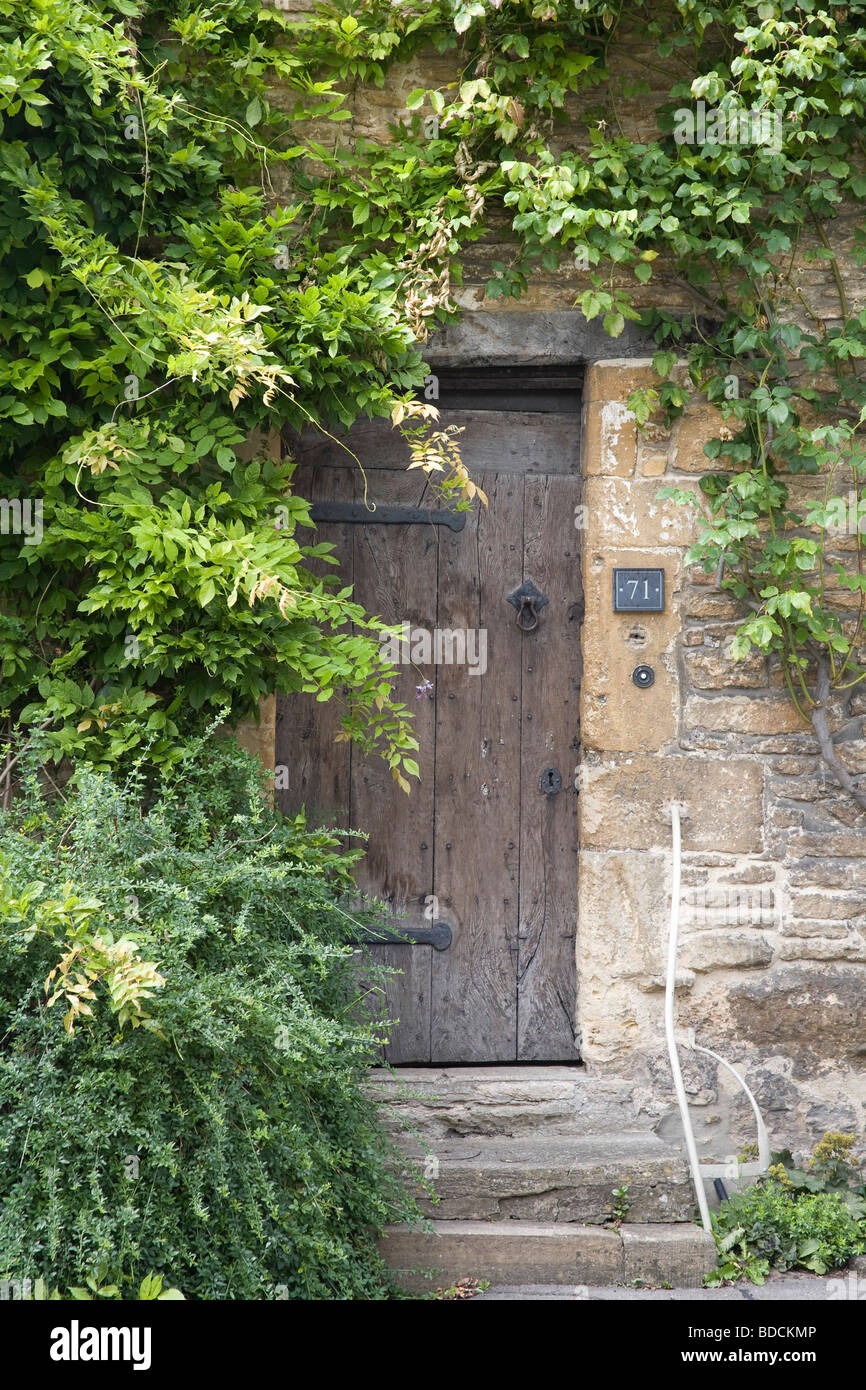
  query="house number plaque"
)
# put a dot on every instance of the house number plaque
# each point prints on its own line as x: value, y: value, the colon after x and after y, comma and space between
x: 638, y: 591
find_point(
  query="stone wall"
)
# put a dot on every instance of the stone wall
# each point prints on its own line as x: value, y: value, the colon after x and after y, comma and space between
x: 772, y: 953
x: 257, y: 736
x: 638, y: 82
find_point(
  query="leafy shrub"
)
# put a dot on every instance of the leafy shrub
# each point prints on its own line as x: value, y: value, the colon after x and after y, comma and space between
x: 230, y: 1144
x: 809, y: 1217
x: 150, y: 1290
x: 831, y: 1168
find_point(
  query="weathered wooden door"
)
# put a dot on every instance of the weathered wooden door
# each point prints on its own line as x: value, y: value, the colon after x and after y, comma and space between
x: 486, y: 844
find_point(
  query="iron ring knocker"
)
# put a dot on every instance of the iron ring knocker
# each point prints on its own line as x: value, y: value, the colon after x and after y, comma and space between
x: 527, y: 600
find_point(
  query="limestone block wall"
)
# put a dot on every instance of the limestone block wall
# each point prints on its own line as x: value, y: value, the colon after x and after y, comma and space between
x: 257, y: 736
x: 773, y: 955
x: 638, y: 82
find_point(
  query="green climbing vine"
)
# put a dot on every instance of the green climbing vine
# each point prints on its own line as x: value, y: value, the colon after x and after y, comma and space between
x: 197, y: 244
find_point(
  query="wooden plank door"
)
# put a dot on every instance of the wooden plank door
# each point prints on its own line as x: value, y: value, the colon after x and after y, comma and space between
x: 482, y: 843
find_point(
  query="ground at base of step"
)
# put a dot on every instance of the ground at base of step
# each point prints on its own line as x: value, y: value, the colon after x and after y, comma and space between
x: 792, y: 1287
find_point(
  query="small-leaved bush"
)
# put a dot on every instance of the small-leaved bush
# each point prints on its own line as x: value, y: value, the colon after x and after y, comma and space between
x: 810, y: 1218
x: 194, y: 1104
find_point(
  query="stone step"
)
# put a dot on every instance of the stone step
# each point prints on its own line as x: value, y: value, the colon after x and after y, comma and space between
x: 524, y: 1252
x: 441, y: 1103
x: 555, y: 1179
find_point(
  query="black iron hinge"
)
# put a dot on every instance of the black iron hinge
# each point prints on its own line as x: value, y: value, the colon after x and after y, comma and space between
x: 438, y: 936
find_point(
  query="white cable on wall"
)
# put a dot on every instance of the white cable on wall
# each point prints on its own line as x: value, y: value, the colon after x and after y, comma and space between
x: 670, y: 986
x: 763, y: 1137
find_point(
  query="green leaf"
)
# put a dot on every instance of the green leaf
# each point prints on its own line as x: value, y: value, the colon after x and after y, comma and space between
x: 664, y: 363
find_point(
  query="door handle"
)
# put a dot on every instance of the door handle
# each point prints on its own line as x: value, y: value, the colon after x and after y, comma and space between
x: 527, y: 600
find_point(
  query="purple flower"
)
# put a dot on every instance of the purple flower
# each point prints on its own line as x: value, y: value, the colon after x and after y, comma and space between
x: 425, y: 688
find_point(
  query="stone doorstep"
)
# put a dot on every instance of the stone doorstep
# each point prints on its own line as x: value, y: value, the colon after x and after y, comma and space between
x: 561, y: 1180
x: 439, y: 1103
x: 523, y: 1252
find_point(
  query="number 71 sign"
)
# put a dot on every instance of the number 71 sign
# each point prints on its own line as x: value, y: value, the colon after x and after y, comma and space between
x: 638, y: 591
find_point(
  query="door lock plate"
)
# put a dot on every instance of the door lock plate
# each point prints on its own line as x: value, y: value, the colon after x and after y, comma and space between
x: 551, y: 781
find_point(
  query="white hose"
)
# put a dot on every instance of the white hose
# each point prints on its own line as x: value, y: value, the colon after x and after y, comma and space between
x: 697, y: 1178
x: 763, y: 1136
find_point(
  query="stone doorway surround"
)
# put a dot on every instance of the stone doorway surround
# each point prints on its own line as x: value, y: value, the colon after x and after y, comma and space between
x: 772, y: 956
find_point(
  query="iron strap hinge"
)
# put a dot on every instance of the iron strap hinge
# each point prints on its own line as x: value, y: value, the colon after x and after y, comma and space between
x: 438, y: 936
x: 356, y: 512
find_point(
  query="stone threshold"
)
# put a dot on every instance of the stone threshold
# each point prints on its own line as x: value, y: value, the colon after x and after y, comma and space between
x: 555, y: 1253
